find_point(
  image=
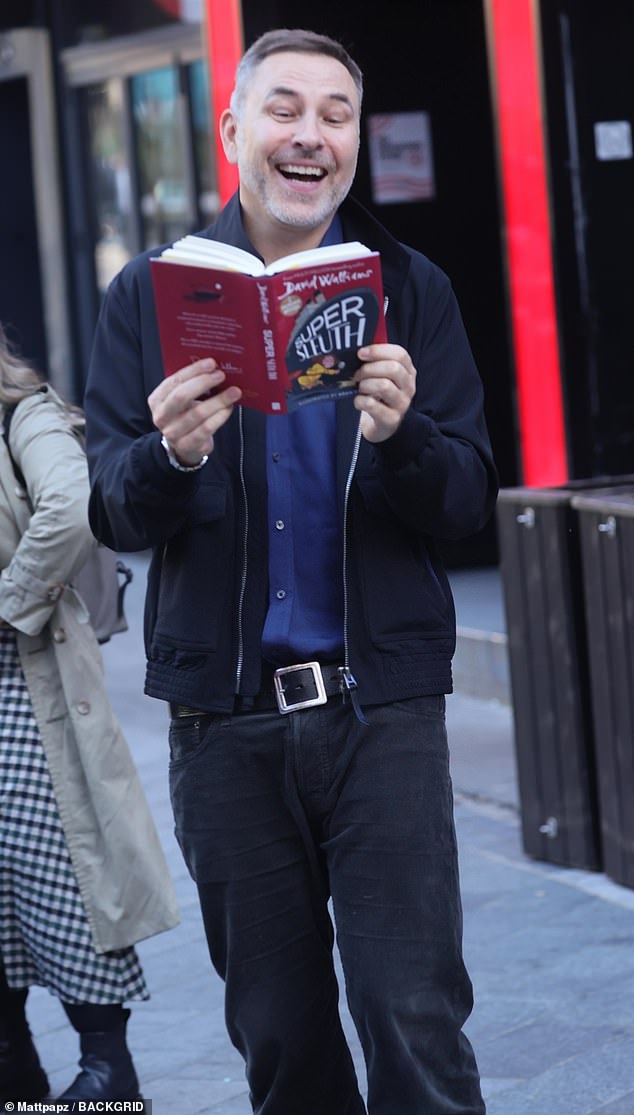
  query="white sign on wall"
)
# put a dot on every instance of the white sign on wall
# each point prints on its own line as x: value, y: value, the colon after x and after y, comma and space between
x: 401, y: 157
x: 613, y: 139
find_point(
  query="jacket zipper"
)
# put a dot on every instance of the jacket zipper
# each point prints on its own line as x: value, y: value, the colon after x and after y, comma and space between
x: 243, y: 579
x: 353, y: 465
x: 348, y: 680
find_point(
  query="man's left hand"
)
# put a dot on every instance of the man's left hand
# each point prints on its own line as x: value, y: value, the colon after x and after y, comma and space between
x: 386, y: 384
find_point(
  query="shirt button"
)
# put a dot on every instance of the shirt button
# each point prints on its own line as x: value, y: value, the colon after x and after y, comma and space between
x: 59, y: 635
x: 281, y: 593
x: 83, y: 708
x: 279, y: 524
x: 275, y: 457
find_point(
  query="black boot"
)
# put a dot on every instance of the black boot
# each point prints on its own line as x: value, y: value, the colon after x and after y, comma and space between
x: 107, y: 1071
x: 21, y: 1074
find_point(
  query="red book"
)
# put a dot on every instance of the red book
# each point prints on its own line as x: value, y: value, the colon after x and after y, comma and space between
x: 288, y: 334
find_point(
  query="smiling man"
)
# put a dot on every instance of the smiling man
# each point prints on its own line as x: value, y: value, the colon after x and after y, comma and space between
x: 300, y: 625
x: 293, y: 130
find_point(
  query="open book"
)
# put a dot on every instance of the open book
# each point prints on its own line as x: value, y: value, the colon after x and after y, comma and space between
x: 287, y: 334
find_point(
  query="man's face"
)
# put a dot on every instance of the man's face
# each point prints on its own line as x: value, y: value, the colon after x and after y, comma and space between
x: 295, y: 142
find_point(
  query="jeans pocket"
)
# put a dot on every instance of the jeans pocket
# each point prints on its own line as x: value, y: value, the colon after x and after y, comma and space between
x: 189, y: 736
x: 432, y: 707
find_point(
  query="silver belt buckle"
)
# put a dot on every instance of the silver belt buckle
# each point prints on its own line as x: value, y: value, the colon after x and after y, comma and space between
x: 285, y: 706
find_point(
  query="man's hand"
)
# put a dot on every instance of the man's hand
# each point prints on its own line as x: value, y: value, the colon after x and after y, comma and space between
x: 386, y: 384
x: 187, y: 414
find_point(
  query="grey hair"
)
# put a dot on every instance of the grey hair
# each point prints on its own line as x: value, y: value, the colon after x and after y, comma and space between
x: 294, y: 40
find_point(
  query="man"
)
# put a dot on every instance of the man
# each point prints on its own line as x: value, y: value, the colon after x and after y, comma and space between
x: 290, y: 540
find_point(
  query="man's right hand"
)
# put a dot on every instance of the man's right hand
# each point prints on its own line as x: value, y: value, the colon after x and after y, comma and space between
x: 189, y: 406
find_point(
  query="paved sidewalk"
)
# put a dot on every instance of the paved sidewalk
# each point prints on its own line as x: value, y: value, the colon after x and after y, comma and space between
x: 549, y: 950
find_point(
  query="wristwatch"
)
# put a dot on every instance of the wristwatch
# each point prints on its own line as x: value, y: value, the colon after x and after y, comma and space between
x: 176, y: 464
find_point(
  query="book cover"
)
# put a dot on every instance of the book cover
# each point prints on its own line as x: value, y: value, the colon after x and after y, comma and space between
x: 287, y: 338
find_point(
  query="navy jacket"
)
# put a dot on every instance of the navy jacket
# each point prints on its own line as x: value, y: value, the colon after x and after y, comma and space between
x: 207, y: 586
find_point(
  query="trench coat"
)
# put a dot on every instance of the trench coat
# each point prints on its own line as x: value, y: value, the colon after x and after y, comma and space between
x: 117, y: 858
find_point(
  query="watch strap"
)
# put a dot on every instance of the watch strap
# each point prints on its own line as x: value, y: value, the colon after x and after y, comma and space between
x: 175, y: 463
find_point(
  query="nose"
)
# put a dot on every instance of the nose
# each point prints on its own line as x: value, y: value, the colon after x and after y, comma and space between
x: 307, y: 131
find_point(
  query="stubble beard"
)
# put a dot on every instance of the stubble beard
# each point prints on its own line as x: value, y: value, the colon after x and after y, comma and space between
x: 299, y: 213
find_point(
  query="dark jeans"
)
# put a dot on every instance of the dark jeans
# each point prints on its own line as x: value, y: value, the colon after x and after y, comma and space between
x: 275, y: 814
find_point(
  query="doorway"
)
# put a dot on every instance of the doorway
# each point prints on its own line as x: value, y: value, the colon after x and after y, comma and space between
x: 33, y: 300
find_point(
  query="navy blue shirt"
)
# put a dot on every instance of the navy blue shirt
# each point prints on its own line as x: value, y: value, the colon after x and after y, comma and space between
x: 305, y: 612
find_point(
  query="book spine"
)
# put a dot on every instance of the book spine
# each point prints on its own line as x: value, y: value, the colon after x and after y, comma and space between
x: 271, y: 355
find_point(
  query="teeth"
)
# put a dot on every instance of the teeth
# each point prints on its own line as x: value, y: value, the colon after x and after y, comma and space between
x: 307, y: 171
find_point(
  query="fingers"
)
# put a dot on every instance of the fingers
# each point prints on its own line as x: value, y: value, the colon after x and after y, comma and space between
x: 387, y: 373
x: 386, y: 383
x: 189, y: 406
x: 385, y: 388
x: 176, y: 393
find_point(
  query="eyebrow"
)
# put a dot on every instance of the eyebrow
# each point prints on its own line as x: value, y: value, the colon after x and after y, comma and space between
x: 285, y: 91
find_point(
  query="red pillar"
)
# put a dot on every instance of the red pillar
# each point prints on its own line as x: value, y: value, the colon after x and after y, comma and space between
x: 514, y: 54
x: 223, y: 26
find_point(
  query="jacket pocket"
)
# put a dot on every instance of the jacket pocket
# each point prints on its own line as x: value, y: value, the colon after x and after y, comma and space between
x: 193, y: 583
x: 403, y: 595
x: 209, y: 503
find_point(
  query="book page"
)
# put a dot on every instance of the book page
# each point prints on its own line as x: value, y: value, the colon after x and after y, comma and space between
x: 212, y: 253
x: 312, y: 257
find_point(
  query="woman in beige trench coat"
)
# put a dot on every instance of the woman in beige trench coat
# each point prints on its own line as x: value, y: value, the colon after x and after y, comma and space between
x: 82, y: 873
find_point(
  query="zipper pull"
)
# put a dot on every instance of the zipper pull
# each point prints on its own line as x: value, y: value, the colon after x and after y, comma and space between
x: 348, y: 686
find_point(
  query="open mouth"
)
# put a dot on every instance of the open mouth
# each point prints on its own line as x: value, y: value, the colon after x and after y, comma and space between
x: 297, y: 173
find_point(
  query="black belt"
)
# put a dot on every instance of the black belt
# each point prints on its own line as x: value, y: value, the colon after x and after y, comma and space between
x: 287, y: 689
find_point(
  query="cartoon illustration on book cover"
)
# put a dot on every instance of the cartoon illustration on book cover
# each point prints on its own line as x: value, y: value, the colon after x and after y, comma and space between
x: 321, y: 354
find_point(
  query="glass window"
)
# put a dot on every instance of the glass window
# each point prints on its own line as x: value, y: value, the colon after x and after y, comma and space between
x: 152, y: 161
x: 160, y: 150
x: 111, y: 185
x: 204, y: 146
x: 91, y: 21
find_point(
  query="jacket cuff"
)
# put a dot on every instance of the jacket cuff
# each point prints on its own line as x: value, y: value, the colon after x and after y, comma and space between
x: 27, y: 603
x: 150, y: 458
x: 407, y: 443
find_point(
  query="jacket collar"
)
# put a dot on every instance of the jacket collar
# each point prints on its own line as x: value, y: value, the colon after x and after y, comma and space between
x: 228, y: 227
x: 357, y: 224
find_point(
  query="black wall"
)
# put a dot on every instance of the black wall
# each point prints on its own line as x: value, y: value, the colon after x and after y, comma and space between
x: 588, y: 49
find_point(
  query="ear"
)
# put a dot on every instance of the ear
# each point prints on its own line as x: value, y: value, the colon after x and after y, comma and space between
x: 228, y: 127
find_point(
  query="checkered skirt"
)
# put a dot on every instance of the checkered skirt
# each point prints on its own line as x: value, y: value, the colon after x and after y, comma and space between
x: 44, y: 932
